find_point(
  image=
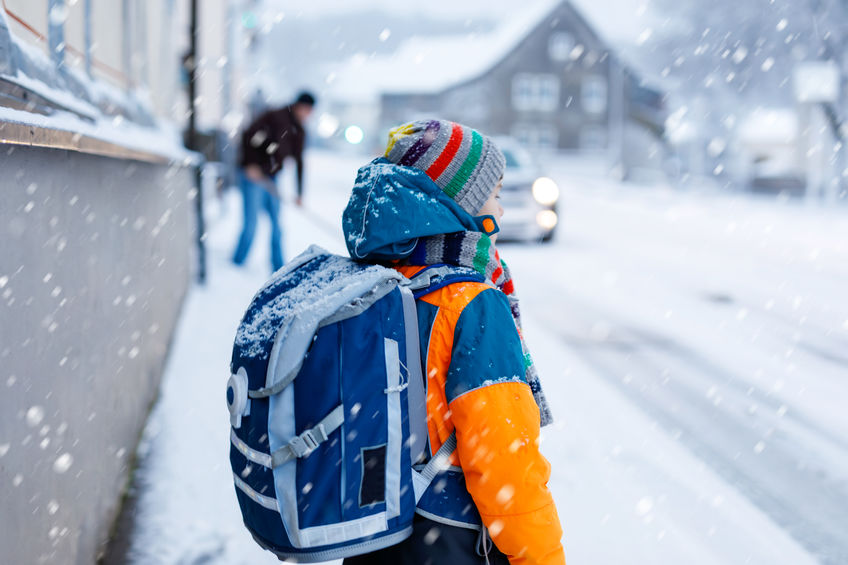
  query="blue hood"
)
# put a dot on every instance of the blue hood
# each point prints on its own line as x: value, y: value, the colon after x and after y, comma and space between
x: 392, y: 206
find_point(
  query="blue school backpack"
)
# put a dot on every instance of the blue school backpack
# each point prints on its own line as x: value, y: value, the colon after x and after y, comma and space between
x: 327, y: 407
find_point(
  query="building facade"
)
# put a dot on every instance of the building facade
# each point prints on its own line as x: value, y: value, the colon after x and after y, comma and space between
x: 560, y: 88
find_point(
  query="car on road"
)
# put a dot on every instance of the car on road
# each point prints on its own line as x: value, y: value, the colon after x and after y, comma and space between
x: 775, y: 173
x: 529, y: 198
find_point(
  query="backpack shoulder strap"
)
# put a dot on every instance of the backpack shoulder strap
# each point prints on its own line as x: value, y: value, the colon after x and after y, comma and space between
x: 435, y: 277
x: 424, y: 282
x: 429, y: 279
x: 439, y: 462
x: 415, y: 394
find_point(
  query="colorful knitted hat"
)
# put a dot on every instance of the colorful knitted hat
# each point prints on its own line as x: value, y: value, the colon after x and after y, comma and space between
x: 465, y: 164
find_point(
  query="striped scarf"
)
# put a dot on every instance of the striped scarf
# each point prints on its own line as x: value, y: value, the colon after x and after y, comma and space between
x: 475, y: 250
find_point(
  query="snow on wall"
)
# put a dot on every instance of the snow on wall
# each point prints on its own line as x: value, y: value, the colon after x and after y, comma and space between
x: 84, y: 105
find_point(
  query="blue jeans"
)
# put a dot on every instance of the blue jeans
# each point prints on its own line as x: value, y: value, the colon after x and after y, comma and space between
x: 254, y: 197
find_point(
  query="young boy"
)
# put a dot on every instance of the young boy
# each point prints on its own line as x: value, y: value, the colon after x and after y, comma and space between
x: 433, y: 200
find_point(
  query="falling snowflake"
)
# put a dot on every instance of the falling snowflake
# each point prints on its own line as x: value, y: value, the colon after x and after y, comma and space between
x: 63, y: 463
x: 34, y: 416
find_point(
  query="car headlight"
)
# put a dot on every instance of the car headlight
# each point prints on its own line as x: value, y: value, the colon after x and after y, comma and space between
x: 545, y: 191
x: 547, y: 219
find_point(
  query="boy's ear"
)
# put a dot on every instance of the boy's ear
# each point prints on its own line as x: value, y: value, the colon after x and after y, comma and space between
x: 487, y: 224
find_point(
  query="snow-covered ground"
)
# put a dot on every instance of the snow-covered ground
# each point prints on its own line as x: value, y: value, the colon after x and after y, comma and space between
x: 693, y: 347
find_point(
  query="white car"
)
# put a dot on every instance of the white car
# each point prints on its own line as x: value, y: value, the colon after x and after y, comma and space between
x: 529, y: 199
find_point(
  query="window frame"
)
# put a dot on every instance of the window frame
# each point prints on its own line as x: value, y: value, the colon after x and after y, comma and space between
x: 535, y: 92
x: 594, y: 94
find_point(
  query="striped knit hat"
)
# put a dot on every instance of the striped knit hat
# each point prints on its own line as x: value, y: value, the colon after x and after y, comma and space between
x: 465, y: 164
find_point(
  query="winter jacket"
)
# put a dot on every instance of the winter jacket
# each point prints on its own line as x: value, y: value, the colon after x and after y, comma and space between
x: 474, y: 370
x: 273, y: 136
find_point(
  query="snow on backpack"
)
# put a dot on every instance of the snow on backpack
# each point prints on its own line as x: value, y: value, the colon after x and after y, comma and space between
x: 327, y: 407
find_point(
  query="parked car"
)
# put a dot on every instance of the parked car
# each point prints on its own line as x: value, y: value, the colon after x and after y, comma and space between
x: 529, y: 199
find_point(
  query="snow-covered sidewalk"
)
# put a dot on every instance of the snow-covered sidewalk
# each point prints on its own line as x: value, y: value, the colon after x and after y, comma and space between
x: 626, y: 489
x: 186, y: 511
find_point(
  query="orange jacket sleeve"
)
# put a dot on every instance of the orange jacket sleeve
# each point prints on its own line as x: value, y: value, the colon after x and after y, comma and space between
x: 497, y: 431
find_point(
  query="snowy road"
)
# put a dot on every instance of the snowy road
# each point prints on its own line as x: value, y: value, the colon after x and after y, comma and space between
x: 693, y: 347
x: 723, y: 328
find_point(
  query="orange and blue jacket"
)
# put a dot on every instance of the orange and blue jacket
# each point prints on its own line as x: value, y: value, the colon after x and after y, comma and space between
x: 475, y: 381
x: 475, y: 372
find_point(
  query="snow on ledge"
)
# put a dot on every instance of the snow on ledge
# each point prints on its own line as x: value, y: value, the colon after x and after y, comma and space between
x: 81, y: 105
x: 163, y: 141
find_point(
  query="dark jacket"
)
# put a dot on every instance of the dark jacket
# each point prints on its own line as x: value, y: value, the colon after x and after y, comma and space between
x: 272, y: 137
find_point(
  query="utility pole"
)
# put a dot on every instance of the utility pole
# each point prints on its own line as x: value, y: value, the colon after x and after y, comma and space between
x: 815, y: 83
x: 616, y: 116
x: 190, y: 62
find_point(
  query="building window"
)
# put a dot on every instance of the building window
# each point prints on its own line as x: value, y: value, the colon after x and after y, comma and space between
x: 560, y: 45
x: 522, y: 92
x: 535, y: 92
x: 536, y: 136
x: 593, y: 138
x: 594, y: 94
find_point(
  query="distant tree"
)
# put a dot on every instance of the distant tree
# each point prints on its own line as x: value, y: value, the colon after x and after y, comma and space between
x: 741, y: 54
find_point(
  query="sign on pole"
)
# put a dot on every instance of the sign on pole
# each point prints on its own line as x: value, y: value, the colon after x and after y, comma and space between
x: 816, y: 81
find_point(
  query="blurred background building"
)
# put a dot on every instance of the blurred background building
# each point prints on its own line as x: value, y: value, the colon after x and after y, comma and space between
x: 547, y: 79
x: 661, y: 90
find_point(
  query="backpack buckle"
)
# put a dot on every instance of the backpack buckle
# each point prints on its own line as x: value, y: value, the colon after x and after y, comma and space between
x: 419, y: 282
x: 300, y: 447
x: 308, y: 441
